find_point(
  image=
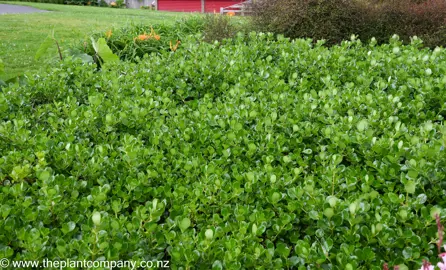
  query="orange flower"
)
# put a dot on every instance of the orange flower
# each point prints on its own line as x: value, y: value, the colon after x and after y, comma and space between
x: 146, y: 37
x: 109, y: 33
x: 143, y: 37
x: 231, y: 13
x: 113, y: 4
x: 153, y: 34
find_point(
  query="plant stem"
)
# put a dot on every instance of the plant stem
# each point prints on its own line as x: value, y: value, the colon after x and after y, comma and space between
x: 58, y: 49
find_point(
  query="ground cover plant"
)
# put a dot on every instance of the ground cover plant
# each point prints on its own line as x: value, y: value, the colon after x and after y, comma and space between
x: 21, y: 35
x: 257, y: 152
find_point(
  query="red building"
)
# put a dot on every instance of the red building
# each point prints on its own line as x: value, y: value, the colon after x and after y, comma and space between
x: 195, y: 5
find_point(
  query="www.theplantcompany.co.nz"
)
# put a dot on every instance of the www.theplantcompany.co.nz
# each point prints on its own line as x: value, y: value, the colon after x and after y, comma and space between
x: 84, y: 264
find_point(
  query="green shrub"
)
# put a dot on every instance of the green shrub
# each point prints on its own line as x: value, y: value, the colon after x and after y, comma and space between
x: 190, y: 26
x: 77, y: 2
x: 102, y: 3
x: 426, y: 19
x: 337, y: 20
x: 333, y: 20
x: 255, y: 153
x: 134, y: 41
x: 218, y: 27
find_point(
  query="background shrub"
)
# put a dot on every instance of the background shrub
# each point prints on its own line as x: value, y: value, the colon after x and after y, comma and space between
x: 333, y: 20
x: 77, y: 2
x: 218, y: 27
x: 102, y: 3
x: 336, y: 20
x: 425, y: 19
x: 120, y: 3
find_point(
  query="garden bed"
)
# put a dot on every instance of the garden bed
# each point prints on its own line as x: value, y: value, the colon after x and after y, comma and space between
x: 256, y: 152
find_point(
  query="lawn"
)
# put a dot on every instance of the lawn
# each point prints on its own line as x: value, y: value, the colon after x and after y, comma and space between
x: 22, y: 34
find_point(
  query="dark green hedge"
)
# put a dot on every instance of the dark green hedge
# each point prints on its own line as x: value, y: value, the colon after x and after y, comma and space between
x: 337, y: 20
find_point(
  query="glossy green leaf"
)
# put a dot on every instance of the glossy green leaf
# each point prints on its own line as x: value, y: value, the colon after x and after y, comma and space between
x: 44, y: 47
x: 104, y: 51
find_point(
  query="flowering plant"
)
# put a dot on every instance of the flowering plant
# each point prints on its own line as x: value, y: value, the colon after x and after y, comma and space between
x: 152, y: 35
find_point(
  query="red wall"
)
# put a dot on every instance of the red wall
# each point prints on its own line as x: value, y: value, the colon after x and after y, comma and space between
x: 180, y: 5
x: 211, y: 5
x: 195, y: 5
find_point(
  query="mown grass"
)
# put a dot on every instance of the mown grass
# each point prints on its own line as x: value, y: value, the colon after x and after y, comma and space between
x: 22, y: 34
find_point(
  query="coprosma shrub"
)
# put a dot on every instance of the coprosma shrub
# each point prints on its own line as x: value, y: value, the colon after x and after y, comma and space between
x: 337, y: 20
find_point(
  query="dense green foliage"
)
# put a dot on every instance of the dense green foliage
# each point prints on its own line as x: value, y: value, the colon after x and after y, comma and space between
x: 219, y: 27
x: 134, y: 41
x: 131, y: 43
x: 336, y: 20
x: 251, y: 153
